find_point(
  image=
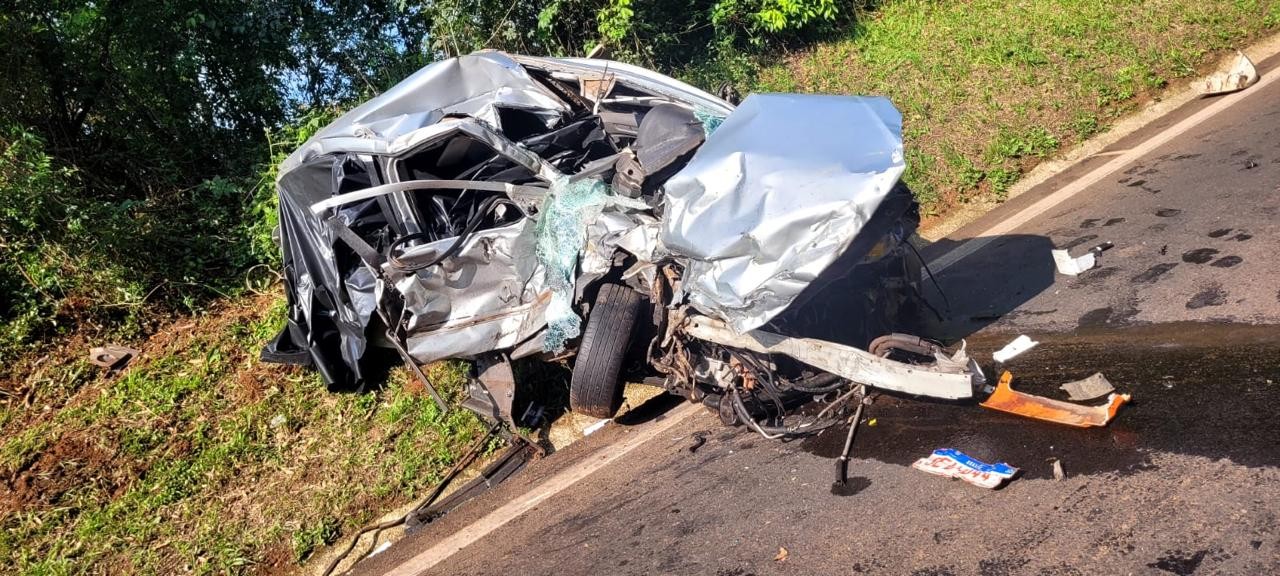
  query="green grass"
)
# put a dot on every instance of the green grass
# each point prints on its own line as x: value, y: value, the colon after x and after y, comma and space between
x: 988, y: 88
x: 200, y: 459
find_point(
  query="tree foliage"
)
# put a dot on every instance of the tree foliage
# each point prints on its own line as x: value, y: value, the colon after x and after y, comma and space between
x: 132, y: 134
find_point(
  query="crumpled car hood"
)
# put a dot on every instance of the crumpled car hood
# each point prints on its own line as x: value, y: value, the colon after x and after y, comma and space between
x: 775, y: 195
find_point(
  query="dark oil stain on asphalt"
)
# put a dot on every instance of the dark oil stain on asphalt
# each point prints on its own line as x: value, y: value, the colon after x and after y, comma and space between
x: 1199, y: 255
x: 1179, y: 562
x: 1227, y: 261
x: 1219, y: 232
x: 1211, y: 295
x: 1094, y: 276
x: 1241, y: 237
x: 1090, y: 223
x: 1168, y: 212
x: 1096, y: 317
x: 1113, y: 222
x: 1000, y: 566
x: 850, y: 486
x: 1108, y: 316
x: 1199, y: 389
x: 1078, y: 241
x: 935, y: 571
x: 1154, y: 273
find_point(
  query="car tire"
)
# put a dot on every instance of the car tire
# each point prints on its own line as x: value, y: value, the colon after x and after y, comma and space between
x: 595, y: 388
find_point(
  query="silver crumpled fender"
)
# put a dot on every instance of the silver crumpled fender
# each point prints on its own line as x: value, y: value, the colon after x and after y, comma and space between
x: 775, y: 195
x: 950, y: 378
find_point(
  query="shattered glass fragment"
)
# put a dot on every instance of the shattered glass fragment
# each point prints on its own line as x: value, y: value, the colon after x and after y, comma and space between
x: 710, y: 121
x: 561, y: 236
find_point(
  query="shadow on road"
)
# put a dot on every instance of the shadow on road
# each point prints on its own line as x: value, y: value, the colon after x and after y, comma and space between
x: 988, y: 285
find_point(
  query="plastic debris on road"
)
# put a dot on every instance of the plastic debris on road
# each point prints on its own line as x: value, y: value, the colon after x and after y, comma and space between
x: 956, y: 464
x: 1090, y: 388
x: 1017, y: 346
x: 1074, y: 266
x: 1241, y: 75
x: 1006, y: 399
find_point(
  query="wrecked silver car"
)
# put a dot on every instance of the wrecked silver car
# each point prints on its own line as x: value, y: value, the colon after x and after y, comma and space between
x: 494, y: 207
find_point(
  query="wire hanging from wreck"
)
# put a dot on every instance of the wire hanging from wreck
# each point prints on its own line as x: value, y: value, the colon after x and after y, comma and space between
x: 764, y: 376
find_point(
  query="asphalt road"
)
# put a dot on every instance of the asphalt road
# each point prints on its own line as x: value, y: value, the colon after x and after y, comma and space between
x: 1182, y: 313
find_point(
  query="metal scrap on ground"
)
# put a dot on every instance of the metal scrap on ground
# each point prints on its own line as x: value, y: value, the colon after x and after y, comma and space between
x: 1090, y: 388
x: 112, y: 357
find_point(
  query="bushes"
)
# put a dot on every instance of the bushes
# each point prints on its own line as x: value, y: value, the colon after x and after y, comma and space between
x: 67, y: 259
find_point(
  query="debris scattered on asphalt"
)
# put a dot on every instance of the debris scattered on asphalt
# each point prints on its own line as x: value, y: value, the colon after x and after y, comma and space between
x: 1074, y: 266
x: 782, y: 555
x: 1017, y: 346
x: 592, y: 429
x: 953, y: 463
x: 1058, y: 473
x: 1090, y: 388
x: 112, y: 357
x: 871, y: 422
x: 699, y: 438
x: 1006, y: 399
x: 1242, y: 74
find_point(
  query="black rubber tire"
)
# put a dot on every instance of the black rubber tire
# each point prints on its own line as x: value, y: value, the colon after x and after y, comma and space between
x: 595, y: 389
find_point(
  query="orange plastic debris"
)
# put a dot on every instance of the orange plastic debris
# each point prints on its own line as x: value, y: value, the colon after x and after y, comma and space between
x: 1006, y: 399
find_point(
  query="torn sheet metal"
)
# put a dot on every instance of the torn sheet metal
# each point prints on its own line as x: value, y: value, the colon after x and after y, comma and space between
x: 950, y: 378
x: 1090, y: 388
x: 775, y: 195
x: 641, y: 78
x: 478, y: 85
x: 1242, y: 74
x: 956, y: 464
x: 1013, y: 349
x: 1006, y: 399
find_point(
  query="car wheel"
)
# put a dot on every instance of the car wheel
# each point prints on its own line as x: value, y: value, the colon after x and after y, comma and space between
x: 595, y: 389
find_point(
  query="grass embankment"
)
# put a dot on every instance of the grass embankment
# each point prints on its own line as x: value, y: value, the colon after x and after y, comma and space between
x: 198, y: 458
x: 988, y: 88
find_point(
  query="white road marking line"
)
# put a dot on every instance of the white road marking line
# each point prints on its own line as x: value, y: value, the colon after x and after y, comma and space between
x: 425, y: 560
x: 979, y: 241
